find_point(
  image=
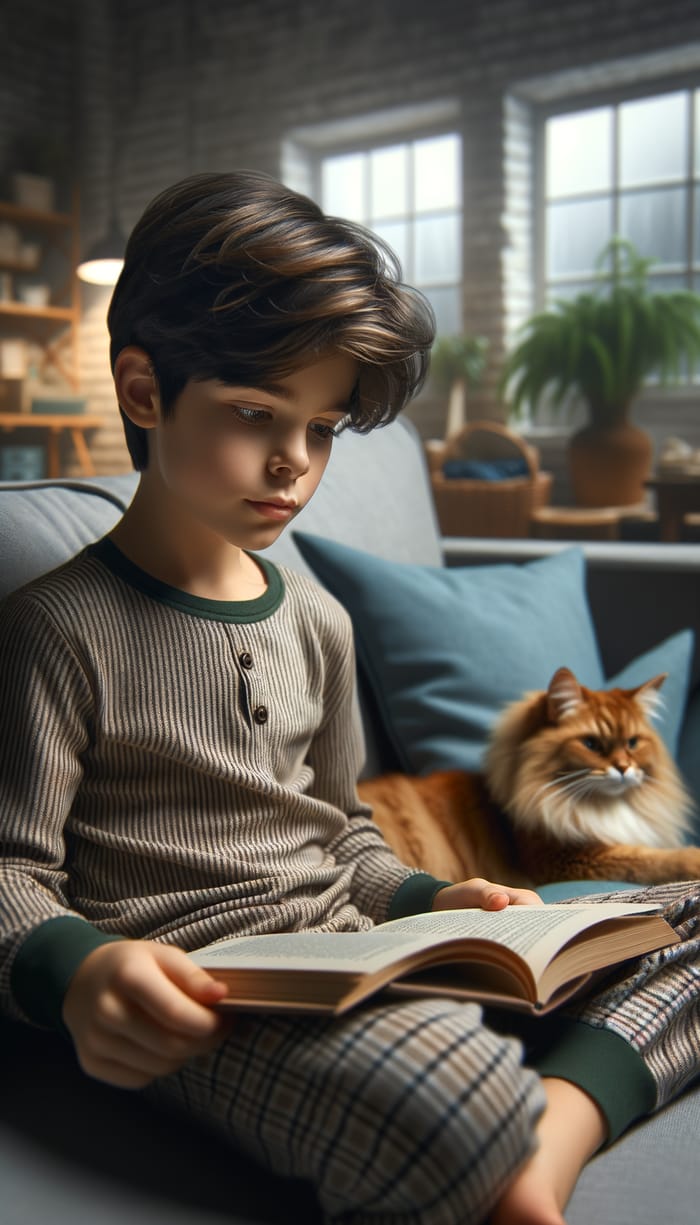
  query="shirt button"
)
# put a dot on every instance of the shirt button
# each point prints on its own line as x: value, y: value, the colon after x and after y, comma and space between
x: 260, y: 714
x: 245, y: 659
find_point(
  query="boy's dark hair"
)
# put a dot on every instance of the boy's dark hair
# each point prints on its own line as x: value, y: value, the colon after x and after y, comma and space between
x: 237, y: 277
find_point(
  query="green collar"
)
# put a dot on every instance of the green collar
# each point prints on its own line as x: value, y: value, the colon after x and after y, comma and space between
x: 211, y: 610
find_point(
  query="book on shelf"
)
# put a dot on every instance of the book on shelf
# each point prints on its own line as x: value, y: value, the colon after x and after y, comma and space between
x: 529, y: 958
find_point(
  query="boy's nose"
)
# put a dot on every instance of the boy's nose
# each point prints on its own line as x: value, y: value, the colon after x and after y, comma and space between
x: 292, y: 456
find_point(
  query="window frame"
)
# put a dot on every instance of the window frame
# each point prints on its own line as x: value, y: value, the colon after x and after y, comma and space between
x: 356, y: 143
x: 614, y: 96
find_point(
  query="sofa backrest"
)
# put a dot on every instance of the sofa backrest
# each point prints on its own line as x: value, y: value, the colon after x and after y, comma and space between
x: 44, y: 523
x: 375, y: 496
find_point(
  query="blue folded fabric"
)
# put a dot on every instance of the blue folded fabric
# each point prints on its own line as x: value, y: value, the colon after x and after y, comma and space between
x: 484, y: 469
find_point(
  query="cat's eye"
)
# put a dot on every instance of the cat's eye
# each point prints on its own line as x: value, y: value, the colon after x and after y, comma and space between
x: 633, y: 742
x: 592, y: 743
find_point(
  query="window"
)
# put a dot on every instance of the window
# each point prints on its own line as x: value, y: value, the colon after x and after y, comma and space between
x: 410, y: 194
x: 630, y: 168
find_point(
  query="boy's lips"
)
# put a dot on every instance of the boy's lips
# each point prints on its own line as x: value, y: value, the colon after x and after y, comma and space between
x: 274, y: 508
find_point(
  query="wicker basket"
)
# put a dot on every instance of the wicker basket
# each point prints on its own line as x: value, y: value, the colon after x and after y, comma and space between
x: 473, y: 507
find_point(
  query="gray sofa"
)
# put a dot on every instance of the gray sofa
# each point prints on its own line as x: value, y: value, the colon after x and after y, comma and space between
x: 73, y: 1150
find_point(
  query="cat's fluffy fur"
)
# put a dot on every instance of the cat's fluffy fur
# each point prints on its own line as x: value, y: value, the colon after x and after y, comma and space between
x: 577, y: 785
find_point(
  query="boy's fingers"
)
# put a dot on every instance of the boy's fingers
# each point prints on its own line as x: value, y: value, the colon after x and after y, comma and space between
x: 128, y: 1062
x: 524, y: 897
x: 125, y: 1023
x: 485, y: 894
x: 178, y: 995
x: 193, y: 980
x: 497, y: 897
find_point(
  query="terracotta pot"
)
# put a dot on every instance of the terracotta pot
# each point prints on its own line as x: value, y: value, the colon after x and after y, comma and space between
x: 608, y: 464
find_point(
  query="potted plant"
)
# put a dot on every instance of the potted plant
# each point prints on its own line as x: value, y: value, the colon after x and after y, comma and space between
x: 457, y: 362
x: 600, y: 347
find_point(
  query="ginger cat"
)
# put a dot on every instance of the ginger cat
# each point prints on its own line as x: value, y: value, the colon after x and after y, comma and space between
x: 576, y: 786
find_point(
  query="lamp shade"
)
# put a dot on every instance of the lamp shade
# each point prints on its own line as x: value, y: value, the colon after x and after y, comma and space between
x: 104, y: 260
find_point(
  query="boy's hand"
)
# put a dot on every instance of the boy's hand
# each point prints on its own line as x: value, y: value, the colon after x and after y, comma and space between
x: 483, y: 894
x: 137, y: 1010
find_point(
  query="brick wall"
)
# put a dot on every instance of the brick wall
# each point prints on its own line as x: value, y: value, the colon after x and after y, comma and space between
x: 177, y: 86
x: 38, y: 95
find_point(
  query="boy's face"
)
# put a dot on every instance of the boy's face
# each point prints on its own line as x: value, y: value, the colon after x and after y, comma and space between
x: 242, y: 461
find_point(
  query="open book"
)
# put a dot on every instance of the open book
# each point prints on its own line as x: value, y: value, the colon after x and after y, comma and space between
x: 531, y: 958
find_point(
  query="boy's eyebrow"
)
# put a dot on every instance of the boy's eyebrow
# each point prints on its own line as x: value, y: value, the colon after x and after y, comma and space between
x: 279, y: 389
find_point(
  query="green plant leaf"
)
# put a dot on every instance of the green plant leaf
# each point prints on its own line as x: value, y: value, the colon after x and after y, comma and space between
x: 458, y: 357
x: 602, y: 344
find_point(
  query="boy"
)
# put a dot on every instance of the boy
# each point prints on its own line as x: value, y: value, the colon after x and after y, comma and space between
x: 194, y: 775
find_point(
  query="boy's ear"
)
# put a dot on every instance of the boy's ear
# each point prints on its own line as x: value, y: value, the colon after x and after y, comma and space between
x: 137, y: 387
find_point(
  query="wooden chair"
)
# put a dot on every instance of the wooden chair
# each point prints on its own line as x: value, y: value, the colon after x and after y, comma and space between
x: 469, y: 506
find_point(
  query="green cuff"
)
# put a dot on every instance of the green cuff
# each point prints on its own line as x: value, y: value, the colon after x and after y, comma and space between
x: 47, y: 961
x: 605, y: 1066
x: 415, y: 895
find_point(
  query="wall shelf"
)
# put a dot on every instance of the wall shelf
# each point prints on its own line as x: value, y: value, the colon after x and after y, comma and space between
x: 51, y: 259
x: 22, y: 216
x: 20, y: 311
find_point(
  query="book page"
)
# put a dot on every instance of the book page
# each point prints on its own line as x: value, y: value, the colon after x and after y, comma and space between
x: 533, y: 932
x: 351, y: 952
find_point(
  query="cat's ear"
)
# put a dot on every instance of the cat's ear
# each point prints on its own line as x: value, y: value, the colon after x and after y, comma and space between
x: 648, y: 696
x: 564, y: 695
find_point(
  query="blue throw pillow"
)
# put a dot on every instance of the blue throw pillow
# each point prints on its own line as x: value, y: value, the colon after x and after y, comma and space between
x: 444, y: 650
x: 674, y: 656
x: 689, y: 758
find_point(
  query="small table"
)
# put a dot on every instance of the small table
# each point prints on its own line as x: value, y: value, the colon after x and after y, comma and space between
x: 56, y: 423
x: 677, y: 494
x: 574, y: 523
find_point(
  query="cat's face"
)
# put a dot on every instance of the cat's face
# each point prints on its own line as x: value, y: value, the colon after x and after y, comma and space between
x: 582, y: 765
x: 604, y: 746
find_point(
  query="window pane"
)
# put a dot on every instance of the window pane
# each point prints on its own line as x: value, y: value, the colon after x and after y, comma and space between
x: 653, y: 139
x: 447, y: 304
x: 668, y: 283
x: 569, y: 289
x: 389, y: 181
x: 655, y: 222
x: 576, y: 235
x: 343, y: 186
x: 579, y: 152
x: 396, y: 234
x: 437, y: 176
x: 437, y: 249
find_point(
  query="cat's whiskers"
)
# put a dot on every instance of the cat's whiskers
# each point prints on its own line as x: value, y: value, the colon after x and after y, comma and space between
x: 579, y: 805
x: 564, y: 792
x: 561, y: 782
x: 576, y: 784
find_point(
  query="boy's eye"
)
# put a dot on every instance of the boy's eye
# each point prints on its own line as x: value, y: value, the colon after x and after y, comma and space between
x: 323, y: 431
x: 251, y: 416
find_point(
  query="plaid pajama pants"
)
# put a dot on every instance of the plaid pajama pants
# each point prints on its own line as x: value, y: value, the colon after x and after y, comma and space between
x: 417, y: 1113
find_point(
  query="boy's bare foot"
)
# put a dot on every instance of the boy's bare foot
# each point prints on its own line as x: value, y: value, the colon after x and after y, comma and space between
x: 569, y: 1132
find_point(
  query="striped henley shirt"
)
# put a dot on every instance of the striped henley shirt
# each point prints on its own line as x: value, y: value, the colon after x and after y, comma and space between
x: 177, y: 769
